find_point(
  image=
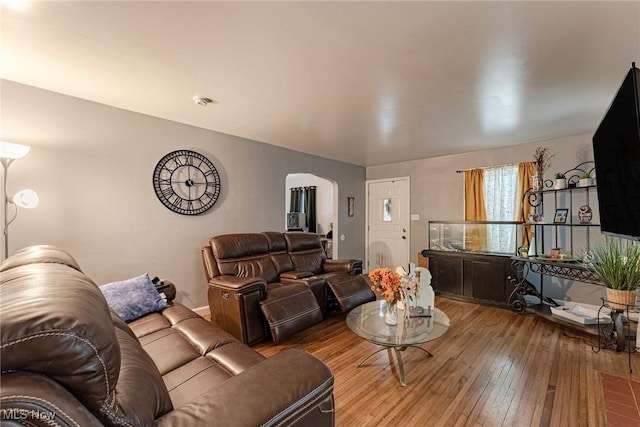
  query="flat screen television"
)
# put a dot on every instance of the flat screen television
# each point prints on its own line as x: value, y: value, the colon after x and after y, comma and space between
x: 616, y: 152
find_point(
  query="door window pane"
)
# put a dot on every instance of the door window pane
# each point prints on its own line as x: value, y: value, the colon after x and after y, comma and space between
x: 386, y: 210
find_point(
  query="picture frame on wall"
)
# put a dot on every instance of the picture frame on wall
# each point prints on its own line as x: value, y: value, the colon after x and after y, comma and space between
x: 561, y: 216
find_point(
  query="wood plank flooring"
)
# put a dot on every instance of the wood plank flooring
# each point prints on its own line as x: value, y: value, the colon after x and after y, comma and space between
x: 492, y: 368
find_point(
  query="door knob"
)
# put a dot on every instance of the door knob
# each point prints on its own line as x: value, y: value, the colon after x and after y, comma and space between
x: 404, y: 237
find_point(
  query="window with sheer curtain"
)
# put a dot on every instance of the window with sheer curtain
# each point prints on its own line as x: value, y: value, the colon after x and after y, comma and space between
x: 500, y: 195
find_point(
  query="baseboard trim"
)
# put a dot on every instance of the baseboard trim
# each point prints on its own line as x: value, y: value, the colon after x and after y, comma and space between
x: 202, y: 311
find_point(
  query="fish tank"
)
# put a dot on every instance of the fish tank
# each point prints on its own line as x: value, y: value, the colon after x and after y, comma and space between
x: 485, y: 237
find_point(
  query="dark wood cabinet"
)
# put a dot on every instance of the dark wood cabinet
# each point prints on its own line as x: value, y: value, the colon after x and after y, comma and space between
x: 447, y: 274
x: 485, y: 278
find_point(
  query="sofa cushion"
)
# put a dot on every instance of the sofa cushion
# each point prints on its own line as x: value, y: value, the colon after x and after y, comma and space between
x: 177, y: 336
x: 141, y: 393
x: 278, y: 251
x: 189, y: 381
x: 192, y: 379
x: 243, y: 255
x: 306, y: 252
x: 192, y: 355
x: 133, y: 298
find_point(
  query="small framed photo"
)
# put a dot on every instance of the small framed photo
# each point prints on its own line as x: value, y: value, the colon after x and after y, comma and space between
x: 561, y: 216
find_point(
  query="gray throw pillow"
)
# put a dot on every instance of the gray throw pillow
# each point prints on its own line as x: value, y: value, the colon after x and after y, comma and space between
x: 133, y: 298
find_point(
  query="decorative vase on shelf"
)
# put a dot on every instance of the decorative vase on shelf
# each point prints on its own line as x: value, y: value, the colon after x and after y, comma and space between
x: 538, y: 182
x: 391, y: 314
x: 532, y: 246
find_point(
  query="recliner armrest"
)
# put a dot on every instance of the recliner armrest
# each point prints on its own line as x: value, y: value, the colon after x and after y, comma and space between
x: 353, y: 266
x: 295, y: 274
x: 292, y: 386
x: 36, y: 400
x: 238, y: 284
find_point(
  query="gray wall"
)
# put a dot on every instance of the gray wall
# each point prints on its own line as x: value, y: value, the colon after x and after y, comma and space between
x: 437, y: 193
x: 92, y: 165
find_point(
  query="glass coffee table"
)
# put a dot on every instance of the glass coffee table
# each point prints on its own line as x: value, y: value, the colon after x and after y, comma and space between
x: 367, y: 321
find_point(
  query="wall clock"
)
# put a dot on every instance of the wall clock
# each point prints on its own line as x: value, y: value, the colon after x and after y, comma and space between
x: 186, y: 182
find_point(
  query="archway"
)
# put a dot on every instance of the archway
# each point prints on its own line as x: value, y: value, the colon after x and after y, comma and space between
x: 326, y: 202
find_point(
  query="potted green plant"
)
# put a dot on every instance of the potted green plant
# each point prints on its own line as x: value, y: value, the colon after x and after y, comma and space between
x: 561, y: 181
x: 616, y: 263
x: 585, y: 180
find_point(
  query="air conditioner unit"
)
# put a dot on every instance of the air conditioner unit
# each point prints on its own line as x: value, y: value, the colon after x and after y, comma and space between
x: 295, y: 221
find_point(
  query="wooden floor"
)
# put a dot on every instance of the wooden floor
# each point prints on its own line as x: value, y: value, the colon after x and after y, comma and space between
x: 492, y: 368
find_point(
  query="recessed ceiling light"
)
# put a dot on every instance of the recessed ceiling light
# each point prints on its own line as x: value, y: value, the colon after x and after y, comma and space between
x: 201, y: 100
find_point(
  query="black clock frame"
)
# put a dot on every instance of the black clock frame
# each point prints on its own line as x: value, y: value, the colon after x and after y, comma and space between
x: 186, y: 182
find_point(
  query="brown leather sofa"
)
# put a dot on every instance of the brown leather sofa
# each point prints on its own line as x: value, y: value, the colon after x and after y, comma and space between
x: 68, y: 360
x: 277, y: 283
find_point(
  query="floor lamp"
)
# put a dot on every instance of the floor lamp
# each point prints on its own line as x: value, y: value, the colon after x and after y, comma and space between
x: 23, y: 198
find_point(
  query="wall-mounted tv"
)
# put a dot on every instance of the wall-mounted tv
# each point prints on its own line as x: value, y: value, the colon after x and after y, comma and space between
x: 616, y: 152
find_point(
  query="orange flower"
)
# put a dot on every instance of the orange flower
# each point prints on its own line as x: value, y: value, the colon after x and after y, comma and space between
x: 387, y: 283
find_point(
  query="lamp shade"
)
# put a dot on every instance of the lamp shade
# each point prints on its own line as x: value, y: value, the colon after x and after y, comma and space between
x: 9, y: 150
x: 26, y: 199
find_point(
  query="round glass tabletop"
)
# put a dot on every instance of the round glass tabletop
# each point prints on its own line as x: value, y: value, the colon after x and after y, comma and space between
x: 367, y: 321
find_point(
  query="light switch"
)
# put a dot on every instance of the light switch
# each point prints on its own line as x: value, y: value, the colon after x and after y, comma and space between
x: 415, y: 217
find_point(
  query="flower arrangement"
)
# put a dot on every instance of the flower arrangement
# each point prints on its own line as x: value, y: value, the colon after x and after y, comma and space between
x: 395, y: 286
x: 387, y: 283
x: 542, y: 159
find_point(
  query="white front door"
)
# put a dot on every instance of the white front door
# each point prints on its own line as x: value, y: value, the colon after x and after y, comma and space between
x: 388, y: 204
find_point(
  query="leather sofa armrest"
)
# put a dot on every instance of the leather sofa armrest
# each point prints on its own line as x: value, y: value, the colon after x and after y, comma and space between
x: 292, y: 386
x: 238, y: 284
x: 295, y: 274
x: 353, y: 266
x: 36, y: 400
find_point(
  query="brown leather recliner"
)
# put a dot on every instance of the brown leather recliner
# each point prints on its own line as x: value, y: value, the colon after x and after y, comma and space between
x: 264, y: 280
x: 347, y: 286
x: 68, y: 360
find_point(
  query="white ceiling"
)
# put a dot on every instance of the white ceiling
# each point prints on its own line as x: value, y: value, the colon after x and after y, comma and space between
x: 363, y: 82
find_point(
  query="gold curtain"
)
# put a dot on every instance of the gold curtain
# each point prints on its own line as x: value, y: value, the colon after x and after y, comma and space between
x: 474, y: 209
x: 526, y: 170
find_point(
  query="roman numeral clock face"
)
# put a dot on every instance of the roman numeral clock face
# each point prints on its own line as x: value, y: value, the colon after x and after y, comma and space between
x: 186, y: 182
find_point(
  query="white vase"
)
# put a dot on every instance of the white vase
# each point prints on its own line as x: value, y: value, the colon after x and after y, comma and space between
x: 532, y: 245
